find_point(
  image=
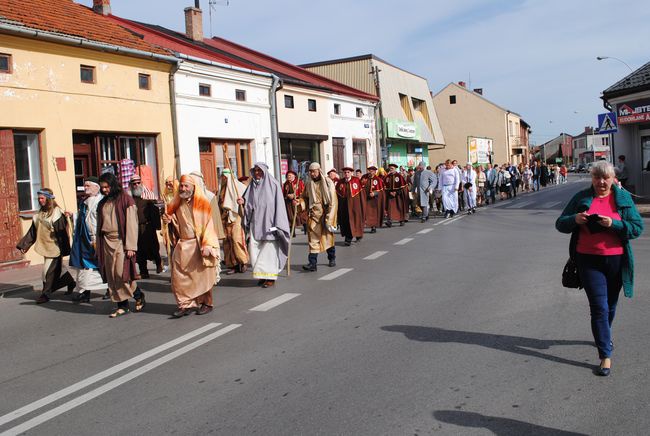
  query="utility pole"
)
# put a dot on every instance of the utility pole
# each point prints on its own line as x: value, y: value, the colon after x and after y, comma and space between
x: 381, y: 125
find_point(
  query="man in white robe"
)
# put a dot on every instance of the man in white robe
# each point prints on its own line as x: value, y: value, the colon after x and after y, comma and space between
x: 450, y: 180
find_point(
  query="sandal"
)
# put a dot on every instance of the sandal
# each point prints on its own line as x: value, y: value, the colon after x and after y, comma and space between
x: 119, y: 312
x: 140, y: 303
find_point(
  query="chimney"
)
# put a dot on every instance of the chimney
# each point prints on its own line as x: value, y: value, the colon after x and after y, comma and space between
x: 102, y: 7
x: 478, y: 91
x: 194, y: 22
x: 462, y: 84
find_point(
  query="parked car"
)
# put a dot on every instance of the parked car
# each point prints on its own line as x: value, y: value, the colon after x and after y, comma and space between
x: 572, y: 169
x: 582, y: 168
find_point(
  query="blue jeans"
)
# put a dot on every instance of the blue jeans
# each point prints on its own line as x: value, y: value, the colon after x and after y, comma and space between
x: 601, y: 278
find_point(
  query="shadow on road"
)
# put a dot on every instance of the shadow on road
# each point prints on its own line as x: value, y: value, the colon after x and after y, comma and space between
x: 498, y: 425
x: 511, y: 344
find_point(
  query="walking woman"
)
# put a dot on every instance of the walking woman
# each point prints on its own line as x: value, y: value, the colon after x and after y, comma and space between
x: 49, y: 235
x: 602, y: 220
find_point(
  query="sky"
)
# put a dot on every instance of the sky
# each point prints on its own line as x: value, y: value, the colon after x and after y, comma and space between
x: 536, y: 57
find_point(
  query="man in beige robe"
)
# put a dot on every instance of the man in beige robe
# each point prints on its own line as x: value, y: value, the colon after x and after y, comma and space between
x: 235, y: 252
x: 117, y: 225
x: 196, y: 254
x: 320, y: 197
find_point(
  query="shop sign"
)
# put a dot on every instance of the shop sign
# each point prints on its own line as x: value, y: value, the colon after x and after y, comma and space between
x: 633, y: 112
x: 402, y: 129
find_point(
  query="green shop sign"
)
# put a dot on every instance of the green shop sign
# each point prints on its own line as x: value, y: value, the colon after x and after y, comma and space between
x: 402, y: 129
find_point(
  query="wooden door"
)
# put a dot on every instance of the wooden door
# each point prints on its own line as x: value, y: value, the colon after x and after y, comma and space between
x: 338, y: 153
x: 208, y: 169
x: 82, y: 146
x: 9, y: 225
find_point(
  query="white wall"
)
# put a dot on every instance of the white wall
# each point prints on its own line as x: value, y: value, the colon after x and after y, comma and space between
x: 221, y: 115
x: 347, y: 125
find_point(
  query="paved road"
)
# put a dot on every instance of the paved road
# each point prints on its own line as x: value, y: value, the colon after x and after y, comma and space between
x: 450, y: 327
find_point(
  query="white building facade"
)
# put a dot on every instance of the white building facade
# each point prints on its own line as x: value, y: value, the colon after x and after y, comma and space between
x: 223, y: 118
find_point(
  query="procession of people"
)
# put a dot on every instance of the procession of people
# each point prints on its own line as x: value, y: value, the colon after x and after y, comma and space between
x: 248, y: 223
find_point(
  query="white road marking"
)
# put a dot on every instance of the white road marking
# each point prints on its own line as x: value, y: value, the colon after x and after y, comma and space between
x: 336, y: 274
x: 375, y: 255
x: 102, y: 375
x: 550, y: 204
x: 424, y: 231
x: 459, y: 217
x: 274, y: 302
x: 403, y: 241
x: 65, y: 407
x: 444, y: 220
x: 520, y: 205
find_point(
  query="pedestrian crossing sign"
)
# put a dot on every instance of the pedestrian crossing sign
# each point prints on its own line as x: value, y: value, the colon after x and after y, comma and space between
x: 607, y: 123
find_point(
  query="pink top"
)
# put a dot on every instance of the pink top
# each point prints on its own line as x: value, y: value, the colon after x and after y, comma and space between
x: 605, y: 243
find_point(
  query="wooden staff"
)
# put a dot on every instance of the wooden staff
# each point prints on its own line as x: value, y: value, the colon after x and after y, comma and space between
x: 234, y: 185
x: 293, y: 229
x: 65, y: 208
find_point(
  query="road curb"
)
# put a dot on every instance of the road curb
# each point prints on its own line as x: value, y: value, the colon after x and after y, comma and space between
x: 6, y: 291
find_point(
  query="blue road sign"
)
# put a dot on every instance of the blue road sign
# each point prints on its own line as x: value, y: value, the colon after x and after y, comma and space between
x: 607, y: 123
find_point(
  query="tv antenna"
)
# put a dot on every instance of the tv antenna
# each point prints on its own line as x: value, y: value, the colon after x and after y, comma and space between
x: 213, y: 5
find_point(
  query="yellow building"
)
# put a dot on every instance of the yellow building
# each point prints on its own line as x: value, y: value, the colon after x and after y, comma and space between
x: 79, y: 93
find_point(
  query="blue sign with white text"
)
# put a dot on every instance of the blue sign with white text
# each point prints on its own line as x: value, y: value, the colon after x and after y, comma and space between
x: 607, y: 123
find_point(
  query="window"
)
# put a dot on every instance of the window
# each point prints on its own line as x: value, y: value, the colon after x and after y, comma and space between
x: 87, y: 74
x: 205, y: 90
x: 28, y: 170
x: 311, y: 105
x: 510, y: 131
x: 240, y: 95
x: 288, y: 101
x: 144, y: 81
x: 359, y: 112
x: 452, y: 99
x: 337, y: 109
x: 140, y: 149
x: 5, y: 63
x: 406, y: 107
x: 359, y: 154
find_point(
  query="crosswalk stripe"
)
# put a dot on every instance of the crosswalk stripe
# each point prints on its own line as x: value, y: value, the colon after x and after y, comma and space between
x: 375, y: 255
x: 336, y: 274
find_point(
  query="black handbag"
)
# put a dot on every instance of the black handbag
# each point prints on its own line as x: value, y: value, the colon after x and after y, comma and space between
x: 570, y: 275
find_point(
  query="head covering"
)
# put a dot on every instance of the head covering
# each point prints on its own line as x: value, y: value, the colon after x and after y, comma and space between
x: 135, y: 178
x: 372, y: 167
x: 332, y: 170
x: 348, y: 169
x: 201, y: 213
x: 226, y: 171
x: 199, y: 181
x: 392, y: 165
x: 293, y: 172
x: 46, y: 193
x: 233, y: 190
x: 265, y: 210
x: 92, y: 179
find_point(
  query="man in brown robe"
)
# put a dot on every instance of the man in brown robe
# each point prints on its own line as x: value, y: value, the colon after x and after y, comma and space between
x: 292, y: 190
x: 374, y: 199
x: 396, y: 197
x: 350, y: 210
x: 148, y: 225
x: 117, y: 244
x: 196, y: 254
x: 320, y: 196
x: 235, y: 252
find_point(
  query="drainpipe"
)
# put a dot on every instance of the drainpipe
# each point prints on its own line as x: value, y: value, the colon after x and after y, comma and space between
x: 507, y: 137
x: 275, y: 139
x: 172, y: 98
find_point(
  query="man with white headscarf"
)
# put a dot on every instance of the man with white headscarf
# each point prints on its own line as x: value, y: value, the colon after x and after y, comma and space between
x: 214, y: 204
x: 266, y: 222
x: 83, y: 258
x: 235, y: 252
x: 320, y: 197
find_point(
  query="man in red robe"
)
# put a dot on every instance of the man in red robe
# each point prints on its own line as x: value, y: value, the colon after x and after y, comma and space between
x: 396, y: 190
x: 373, y: 199
x: 350, y: 213
x: 292, y: 190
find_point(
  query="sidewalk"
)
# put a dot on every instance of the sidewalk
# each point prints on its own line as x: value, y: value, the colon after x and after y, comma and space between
x: 18, y: 280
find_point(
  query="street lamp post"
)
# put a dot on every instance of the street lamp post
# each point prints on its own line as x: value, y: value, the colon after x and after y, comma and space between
x: 600, y: 58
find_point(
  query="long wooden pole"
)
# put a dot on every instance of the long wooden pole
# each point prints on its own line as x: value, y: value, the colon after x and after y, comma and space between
x: 293, y: 229
x: 65, y: 208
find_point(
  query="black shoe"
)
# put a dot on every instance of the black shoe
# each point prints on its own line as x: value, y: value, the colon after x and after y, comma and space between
x: 603, y: 372
x: 82, y: 297
x: 182, y: 312
x: 373, y: 230
x: 144, y: 275
x: 310, y: 268
x: 423, y: 220
x: 401, y: 223
x: 332, y: 263
x: 347, y: 243
x: 107, y: 295
x: 389, y: 224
